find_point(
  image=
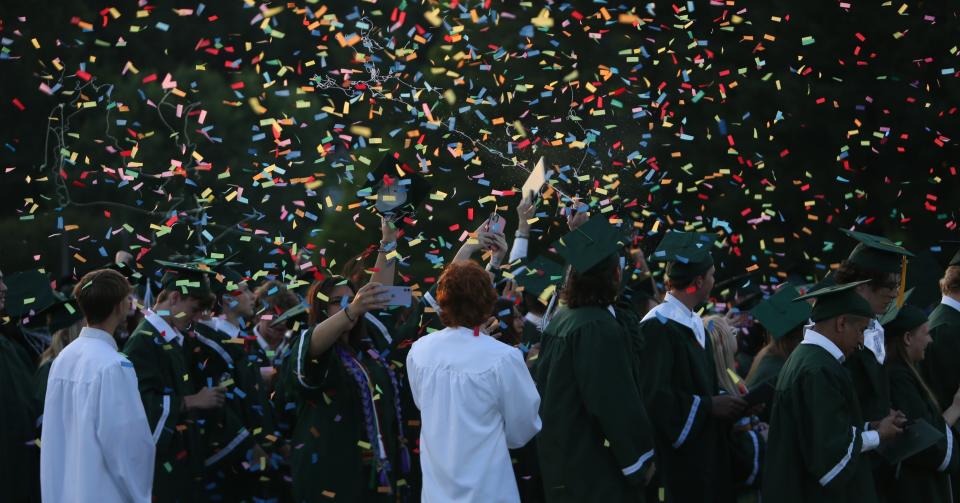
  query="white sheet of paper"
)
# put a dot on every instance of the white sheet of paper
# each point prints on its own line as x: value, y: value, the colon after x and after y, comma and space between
x: 536, y: 180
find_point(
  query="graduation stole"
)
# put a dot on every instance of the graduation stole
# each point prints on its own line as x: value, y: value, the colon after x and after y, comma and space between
x: 371, y: 421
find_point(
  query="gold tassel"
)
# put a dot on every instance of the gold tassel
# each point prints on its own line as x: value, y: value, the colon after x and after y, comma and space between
x: 903, y: 281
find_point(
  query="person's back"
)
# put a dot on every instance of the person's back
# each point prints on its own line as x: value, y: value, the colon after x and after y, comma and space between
x: 86, y: 377
x: 476, y: 400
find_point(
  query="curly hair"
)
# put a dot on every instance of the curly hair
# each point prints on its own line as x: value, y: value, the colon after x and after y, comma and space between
x: 598, y: 286
x: 465, y: 295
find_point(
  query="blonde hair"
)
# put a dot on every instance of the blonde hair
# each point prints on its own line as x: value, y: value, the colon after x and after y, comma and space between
x: 61, y: 338
x: 724, y: 339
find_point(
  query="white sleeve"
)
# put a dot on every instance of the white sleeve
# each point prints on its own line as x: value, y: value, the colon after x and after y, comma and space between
x: 124, y: 434
x: 870, y: 440
x: 519, y: 249
x: 519, y: 401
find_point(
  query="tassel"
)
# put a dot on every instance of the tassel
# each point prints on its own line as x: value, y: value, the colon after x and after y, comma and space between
x: 903, y: 281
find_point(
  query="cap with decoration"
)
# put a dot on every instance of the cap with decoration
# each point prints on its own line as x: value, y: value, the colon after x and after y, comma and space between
x: 587, y: 245
x: 687, y: 254
x: 876, y: 253
x: 838, y: 300
x: 395, y: 186
x: 779, y: 314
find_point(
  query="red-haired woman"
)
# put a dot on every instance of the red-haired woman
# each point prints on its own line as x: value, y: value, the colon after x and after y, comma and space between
x: 475, y: 396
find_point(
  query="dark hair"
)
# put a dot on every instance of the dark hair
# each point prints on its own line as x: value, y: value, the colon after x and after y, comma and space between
x: 99, y: 292
x: 532, y: 303
x: 318, y: 297
x: 275, y: 297
x: 465, y: 294
x: 950, y: 284
x: 848, y: 273
x: 598, y: 286
x: 207, y: 300
x: 505, y: 311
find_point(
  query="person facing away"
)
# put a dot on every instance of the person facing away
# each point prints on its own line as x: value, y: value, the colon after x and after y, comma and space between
x: 597, y: 441
x: 924, y: 476
x: 97, y: 444
x: 818, y: 446
x: 475, y: 395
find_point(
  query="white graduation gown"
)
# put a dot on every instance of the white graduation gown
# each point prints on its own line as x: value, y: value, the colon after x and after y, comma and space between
x: 96, y: 443
x: 477, y: 399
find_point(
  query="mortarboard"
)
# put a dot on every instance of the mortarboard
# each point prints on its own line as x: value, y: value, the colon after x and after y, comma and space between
x: 133, y: 276
x: 916, y: 437
x: 395, y: 186
x: 898, y: 320
x: 779, y: 314
x: 876, y: 253
x: 62, y: 313
x: 838, y: 300
x: 587, y: 245
x: 539, y: 277
x: 28, y: 292
x: 188, y: 279
x: 291, y: 317
x: 687, y: 254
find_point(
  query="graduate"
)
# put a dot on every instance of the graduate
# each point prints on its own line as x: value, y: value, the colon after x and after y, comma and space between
x: 597, y: 442
x: 475, y: 395
x: 272, y: 340
x: 881, y: 261
x: 347, y: 440
x: 172, y: 400
x: 924, y: 476
x: 817, y: 445
x: 783, y: 320
x: 940, y: 368
x: 692, y: 418
x: 19, y: 464
x: 97, y: 444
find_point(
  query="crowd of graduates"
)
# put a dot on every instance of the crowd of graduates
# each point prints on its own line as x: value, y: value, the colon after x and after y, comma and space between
x: 580, y: 374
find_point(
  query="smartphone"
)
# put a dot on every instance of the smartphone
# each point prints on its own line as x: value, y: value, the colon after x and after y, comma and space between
x: 497, y: 224
x: 398, y: 296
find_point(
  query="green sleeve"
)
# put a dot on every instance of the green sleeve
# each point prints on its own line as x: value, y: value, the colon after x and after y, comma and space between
x: 225, y: 437
x: 941, y: 371
x: 304, y: 372
x: 828, y: 434
x: 747, y: 453
x: 162, y: 405
x: 677, y: 415
x: 906, y: 398
x: 604, y: 374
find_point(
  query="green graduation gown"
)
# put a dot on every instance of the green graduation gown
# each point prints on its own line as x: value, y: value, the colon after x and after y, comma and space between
x: 331, y: 456
x: 768, y: 369
x: 939, y: 368
x: 596, y: 443
x: 813, y: 447
x: 678, y: 381
x: 926, y: 475
x: 20, y: 458
x: 164, y: 381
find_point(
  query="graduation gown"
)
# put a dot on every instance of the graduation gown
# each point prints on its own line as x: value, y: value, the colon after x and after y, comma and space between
x: 870, y: 381
x: 924, y: 476
x: 768, y: 369
x: 939, y: 367
x: 19, y: 455
x: 814, y: 443
x: 678, y: 381
x: 597, y: 442
x: 332, y: 456
x: 164, y: 380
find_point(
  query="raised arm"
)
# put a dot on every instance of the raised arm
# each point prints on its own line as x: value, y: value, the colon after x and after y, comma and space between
x: 386, y: 267
x: 369, y: 298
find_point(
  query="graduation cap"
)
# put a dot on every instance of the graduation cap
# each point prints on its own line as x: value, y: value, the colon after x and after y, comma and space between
x: 837, y: 300
x: 134, y: 277
x: 540, y: 276
x: 62, y: 313
x: 189, y: 279
x: 587, y: 245
x: 900, y: 319
x: 290, y: 317
x: 396, y: 186
x: 743, y: 291
x: 916, y: 437
x: 687, y: 254
x: 876, y: 253
x: 779, y: 314
x: 28, y: 292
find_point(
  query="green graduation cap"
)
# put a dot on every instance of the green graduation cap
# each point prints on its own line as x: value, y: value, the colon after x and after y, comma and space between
x: 955, y: 261
x: 190, y: 279
x: 916, y: 437
x: 779, y: 314
x: 837, y: 300
x: 134, y: 277
x: 539, y: 275
x: 589, y: 244
x: 396, y: 186
x: 291, y: 317
x: 900, y: 319
x: 876, y: 253
x: 28, y: 292
x: 62, y: 313
x: 687, y: 254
